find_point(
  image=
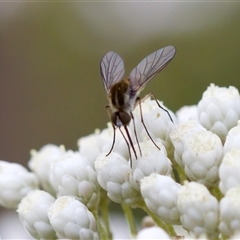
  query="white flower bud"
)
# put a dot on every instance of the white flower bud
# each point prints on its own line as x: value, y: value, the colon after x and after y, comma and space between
x: 179, y: 135
x: 152, y: 160
x: 113, y: 176
x: 74, y: 176
x: 157, y: 121
x: 32, y: 212
x: 198, y: 209
x: 232, y: 139
x: 93, y: 145
x: 15, y: 183
x: 147, y: 221
x: 90, y: 146
x: 71, y: 219
x: 152, y: 233
x: 160, y: 195
x: 41, y: 161
x: 186, y: 113
x: 229, y: 171
x: 219, y: 109
x: 202, y: 157
x: 230, y: 213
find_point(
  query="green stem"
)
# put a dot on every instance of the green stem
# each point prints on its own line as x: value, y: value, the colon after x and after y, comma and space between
x: 165, y: 226
x: 170, y: 230
x: 223, y: 238
x: 129, y: 216
x: 216, y: 192
x: 180, y: 173
x: 105, y: 213
x: 102, y: 231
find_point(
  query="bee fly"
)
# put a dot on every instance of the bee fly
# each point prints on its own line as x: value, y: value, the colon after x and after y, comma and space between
x: 123, y: 94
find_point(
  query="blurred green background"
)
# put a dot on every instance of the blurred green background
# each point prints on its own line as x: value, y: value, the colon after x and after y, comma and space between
x: 50, y: 86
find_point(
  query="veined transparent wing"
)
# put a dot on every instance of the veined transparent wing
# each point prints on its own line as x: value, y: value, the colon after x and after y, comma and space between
x: 149, y: 67
x: 111, y: 69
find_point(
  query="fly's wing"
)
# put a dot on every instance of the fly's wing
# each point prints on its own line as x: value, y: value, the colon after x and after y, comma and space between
x: 149, y: 67
x: 111, y: 69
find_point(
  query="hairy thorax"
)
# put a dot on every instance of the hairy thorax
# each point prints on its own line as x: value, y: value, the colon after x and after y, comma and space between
x: 119, y: 95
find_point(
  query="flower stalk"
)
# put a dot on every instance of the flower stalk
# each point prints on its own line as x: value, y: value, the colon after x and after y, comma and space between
x: 129, y: 216
x: 105, y: 214
x: 167, y: 227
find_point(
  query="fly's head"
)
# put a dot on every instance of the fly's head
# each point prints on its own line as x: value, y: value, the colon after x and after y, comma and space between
x: 120, y: 118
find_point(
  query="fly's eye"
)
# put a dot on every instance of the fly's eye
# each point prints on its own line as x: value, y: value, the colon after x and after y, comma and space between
x: 124, y: 117
x: 120, y: 118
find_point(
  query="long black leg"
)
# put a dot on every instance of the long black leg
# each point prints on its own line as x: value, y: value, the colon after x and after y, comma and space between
x: 131, y: 143
x: 128, y: 135
x: 129, y: 150
x: 152, y: 95
x: 113, y: 142
x: 135, y: 132
x: 141, y: 115
x: 114, y: 129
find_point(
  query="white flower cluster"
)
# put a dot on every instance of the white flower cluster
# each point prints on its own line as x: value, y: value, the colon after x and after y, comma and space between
x: 186, y: 173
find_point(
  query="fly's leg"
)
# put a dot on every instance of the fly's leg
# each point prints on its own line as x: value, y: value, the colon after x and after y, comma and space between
x: 128, y: 145
x: 138, y: 100
x: 135, y: 132
x: 114, y: 130
x: 114, y: 138
x: 152, y: 95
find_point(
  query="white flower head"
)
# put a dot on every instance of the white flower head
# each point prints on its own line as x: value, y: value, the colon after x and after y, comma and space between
x: 186, y: 113
x: 230, y: 213
x: 198, y: 209
x: 132, y: 166
x: 160, y: 195
x: 179, y: 135
x: 73, y: 175
x: 71, y: 219
x: 202, y: 156
x: 232, y: 139
x: 32, y: 212
x: 90, y: 146
x: 219, y: 109
x: 152, y: 233
x: 41, y: 161
x: 15, y: 183
x: 147, y: 221
x: 229, y: 171
x: 152, y: 160
x: 113, y: 176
